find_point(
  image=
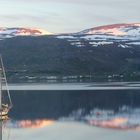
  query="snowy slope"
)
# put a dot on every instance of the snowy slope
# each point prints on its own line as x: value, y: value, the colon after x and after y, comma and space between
x: 12, y: 32
x: 126, y: 33
x: 115, y: 30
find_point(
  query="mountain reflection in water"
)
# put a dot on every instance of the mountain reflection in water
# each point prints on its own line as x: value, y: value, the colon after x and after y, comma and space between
x: 120, y: 123
x: 119, y: 109
x: 75, y: 114
x: 125, y: 118
x: 39, y: 123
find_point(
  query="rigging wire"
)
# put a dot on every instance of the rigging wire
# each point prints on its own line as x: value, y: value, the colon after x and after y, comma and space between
x: 3, y: 122
x: 4, y: 74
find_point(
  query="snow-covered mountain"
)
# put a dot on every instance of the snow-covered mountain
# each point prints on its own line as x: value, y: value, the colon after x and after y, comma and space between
x: 100, y: 52
x: 120, y: 33
x: 12, y: 32
x: 124, y: 34
x: 115, y: 30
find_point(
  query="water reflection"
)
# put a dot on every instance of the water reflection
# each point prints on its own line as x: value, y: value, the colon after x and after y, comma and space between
x: 71, y: 131
x: 125, y: 119
x: 56, y: 104
x: 120, y: 123
x: 116, y: 123
x: 39, y: 123
x: 53, y: 114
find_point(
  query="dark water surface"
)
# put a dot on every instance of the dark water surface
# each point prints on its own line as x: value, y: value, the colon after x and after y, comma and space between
x: 56, y: 104
x: 74, y: 114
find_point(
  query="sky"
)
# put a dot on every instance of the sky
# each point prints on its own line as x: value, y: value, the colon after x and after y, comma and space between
x: 63, y: 16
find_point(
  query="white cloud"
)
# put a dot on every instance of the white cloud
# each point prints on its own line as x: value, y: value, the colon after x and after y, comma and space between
x: 67, y: 15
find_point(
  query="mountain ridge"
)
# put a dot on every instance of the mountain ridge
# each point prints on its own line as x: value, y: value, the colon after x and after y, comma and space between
x: 113, y: 29
x: 17, y: 31
x: 99, y: 56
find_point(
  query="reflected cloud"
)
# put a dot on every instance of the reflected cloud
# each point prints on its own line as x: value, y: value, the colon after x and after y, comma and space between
x: 116, y: 123
x: 113, y: 123
x: 125, y: 119
x: 39, y: 123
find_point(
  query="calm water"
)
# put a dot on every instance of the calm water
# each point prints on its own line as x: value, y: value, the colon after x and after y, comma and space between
x: 93, y: 114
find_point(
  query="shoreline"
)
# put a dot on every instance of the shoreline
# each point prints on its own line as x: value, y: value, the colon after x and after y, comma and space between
x: 75, y: 86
